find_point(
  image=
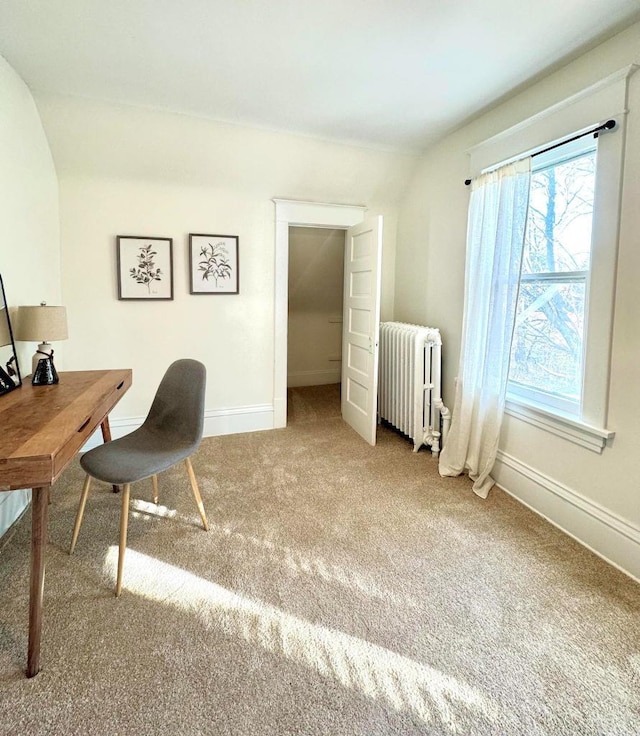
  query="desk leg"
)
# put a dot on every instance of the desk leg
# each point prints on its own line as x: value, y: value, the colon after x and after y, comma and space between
x: 39, y: 513
x: 106, y: 437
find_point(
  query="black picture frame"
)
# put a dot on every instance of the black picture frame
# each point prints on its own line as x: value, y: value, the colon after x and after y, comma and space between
x: 145, y: 268
x: 214, y: 264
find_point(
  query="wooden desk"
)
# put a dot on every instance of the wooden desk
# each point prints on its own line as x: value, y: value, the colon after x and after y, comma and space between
x: 41, y: 429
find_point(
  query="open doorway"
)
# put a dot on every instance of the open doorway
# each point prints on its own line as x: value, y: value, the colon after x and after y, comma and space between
x: 314, y: 334
x: 292, y: 213
x: 362, y: 295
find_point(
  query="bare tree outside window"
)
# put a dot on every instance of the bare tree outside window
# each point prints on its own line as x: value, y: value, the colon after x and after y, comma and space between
x: 547, y: 349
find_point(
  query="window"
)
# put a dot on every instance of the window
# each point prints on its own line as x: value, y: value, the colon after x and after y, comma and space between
x: 548, y: 349
x: 575, y: 405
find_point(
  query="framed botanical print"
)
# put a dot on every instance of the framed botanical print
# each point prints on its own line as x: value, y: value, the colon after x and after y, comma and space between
x: 213, y: 264
x: 145, y: 267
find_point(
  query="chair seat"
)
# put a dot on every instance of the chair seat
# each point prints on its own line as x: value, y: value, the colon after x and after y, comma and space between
x: 139, y: 455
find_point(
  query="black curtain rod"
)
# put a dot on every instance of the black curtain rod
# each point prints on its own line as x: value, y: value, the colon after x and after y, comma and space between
x: 609, y: 125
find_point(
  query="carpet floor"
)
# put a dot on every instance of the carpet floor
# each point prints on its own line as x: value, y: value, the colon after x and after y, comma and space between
x: 342, y: 589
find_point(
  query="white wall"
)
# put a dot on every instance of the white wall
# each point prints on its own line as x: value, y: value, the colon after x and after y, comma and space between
x: 29, y: 237
x: 316, y: 269
x: 594, y: 497
x: 133, y: 171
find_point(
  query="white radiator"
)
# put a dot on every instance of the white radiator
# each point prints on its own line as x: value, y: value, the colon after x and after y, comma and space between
x: 409, y: 385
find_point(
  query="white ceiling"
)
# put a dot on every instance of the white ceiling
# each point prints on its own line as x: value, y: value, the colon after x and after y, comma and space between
x: 383, y: 73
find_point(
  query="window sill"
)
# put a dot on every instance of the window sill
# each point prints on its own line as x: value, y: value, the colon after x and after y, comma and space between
x: 573, y: 430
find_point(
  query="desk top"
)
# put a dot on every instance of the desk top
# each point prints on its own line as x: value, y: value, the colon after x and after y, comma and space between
x: 42, y: 427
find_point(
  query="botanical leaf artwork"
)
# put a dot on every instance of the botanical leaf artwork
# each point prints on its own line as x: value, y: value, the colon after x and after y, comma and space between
x: 215, y: 264
x: 146, y: 272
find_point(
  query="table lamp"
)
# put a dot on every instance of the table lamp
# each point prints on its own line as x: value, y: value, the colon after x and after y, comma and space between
x: 42, y: 324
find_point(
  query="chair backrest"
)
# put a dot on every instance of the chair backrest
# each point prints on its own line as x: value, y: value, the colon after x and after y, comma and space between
x: 178, y: 407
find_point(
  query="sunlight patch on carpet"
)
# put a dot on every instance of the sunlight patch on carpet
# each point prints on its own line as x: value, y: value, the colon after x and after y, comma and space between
x: 140, y: 509
x: 331, y: 573
x: 325, y: 570
x: 376, y: 672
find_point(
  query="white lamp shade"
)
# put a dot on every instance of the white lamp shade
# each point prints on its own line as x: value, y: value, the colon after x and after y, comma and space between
x: 42, y: 324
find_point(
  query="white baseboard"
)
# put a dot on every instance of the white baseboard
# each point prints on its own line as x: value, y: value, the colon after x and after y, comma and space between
x: 216, y: 422
x: 239, y: 419
x: 12, y: 506
x: 314, y: 378
x: 606, y: 534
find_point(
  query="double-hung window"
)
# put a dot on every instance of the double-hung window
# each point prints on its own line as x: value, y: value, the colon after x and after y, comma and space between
x: 560, y: 366
x: 549, y: 341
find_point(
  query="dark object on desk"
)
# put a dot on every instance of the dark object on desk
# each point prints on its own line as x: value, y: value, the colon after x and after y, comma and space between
x: 45, y: 373
x: 10, y: 375
x: 171, y: 432
x: 6, y: 383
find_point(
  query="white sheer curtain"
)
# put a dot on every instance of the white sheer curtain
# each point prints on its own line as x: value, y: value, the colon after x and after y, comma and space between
x: 495, y: 240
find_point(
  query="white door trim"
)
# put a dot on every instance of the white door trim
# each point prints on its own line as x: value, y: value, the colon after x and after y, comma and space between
x: 303, y: 214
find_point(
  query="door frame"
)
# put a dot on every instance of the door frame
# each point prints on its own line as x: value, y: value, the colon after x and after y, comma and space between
x: 290, y: 212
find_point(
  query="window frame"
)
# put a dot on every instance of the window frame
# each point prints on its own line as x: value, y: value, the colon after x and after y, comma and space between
x: 588, y: 428
x: 527, y: 395
x: 602, y: 99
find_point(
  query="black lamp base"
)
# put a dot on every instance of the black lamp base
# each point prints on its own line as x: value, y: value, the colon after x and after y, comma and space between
x: 45, y: 373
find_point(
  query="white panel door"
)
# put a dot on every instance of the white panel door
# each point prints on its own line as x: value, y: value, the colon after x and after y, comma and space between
x: 362, y: 266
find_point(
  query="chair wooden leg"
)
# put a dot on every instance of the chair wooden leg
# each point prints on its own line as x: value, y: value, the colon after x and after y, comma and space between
x: 124, y: 520
x: 106, y: 437
x: 196, y: 493
x: 154, y: 479
x: 80, y: 514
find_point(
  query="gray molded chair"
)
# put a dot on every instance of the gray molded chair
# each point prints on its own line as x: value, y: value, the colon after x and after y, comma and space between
x: 171, y: 432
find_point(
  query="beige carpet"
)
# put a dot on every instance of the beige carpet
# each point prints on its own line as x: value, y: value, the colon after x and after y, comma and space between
x: 342, y: 589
